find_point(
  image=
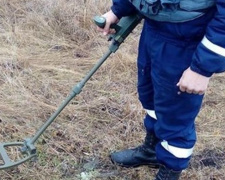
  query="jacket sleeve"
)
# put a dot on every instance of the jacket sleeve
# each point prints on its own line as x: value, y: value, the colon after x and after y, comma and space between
x: 209, y: 57
x: 122, y: 8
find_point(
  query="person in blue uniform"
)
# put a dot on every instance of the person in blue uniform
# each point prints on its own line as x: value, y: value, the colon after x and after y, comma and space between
x: 181, y: 46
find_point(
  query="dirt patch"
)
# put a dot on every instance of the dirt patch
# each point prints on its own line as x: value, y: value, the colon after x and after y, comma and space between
x: 208, y: 158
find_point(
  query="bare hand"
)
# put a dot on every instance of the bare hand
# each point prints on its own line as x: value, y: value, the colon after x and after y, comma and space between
x: 192, y: 82
x: 111, y: 18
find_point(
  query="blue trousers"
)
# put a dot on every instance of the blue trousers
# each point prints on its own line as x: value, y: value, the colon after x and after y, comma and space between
x: 165, y: 52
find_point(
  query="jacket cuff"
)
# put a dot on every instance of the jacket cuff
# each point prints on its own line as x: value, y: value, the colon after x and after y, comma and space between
x: 116, y: 12
x: 123, y: 8
x: 196, y: 69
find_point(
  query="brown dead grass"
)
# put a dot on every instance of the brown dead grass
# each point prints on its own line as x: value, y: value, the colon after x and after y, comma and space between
x: 46, y: 48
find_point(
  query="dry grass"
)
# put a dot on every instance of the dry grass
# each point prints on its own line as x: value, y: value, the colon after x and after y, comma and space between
x: 47, y: 46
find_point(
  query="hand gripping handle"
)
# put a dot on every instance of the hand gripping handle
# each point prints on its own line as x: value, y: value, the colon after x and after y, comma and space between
x: 100, y: 21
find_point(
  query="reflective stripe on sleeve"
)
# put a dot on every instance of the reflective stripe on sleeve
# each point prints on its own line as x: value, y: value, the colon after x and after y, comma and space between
x: 151, y: 113
x: 176, y: 151
x: 213, y: 47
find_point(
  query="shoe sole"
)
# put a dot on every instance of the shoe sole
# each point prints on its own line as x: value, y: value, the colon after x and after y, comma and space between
x: 151, y: 165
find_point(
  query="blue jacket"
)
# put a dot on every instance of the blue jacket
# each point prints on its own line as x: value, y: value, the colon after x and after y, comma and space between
x: 209, y: 56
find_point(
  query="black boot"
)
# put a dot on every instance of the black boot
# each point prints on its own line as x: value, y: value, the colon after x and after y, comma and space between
x: 167, y: 174
x: 141, y: 155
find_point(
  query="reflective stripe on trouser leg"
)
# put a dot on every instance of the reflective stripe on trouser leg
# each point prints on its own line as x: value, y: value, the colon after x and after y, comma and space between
x: 176, y: 151
x: 151, y: 113
x: 149, y: 123
x: 150, y: 120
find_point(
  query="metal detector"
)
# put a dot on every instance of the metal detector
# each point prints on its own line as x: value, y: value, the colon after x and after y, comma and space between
x: 26, y: 148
